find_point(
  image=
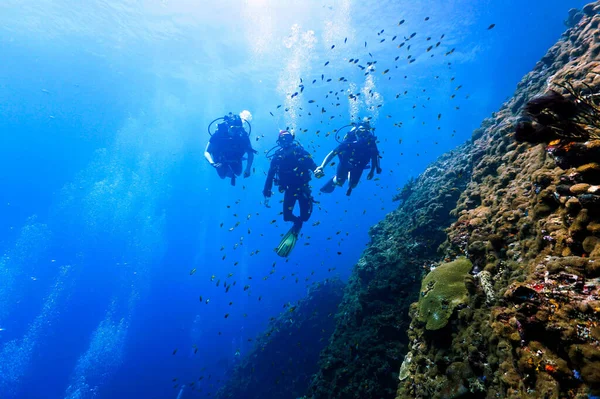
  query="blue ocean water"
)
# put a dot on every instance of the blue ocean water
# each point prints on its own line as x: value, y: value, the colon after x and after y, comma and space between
x: 108, y: 205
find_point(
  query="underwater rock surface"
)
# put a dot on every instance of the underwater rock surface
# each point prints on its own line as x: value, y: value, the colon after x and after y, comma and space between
x: 528, y: 220
x: 282, y: 361
x: 365, y: 353
x: 526, y: 214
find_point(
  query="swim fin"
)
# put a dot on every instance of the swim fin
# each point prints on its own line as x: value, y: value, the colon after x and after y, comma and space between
x: 329, y: 186
x: 288, y: 242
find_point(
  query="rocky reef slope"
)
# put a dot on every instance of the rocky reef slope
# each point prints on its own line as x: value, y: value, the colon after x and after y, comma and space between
x: 284, y: 358
x: 519, y: 225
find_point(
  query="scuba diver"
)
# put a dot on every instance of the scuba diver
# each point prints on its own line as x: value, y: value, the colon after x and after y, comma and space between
x: 356, y: 150
x: 227, y: 145
x: 290, y: 169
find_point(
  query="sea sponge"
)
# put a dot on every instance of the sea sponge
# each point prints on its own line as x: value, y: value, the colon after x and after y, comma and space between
x: 442, y: 290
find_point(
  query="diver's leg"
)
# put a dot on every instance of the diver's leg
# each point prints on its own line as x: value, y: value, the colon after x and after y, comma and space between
x: 289, y: 201
x: 222, y: 171
x: 306, y: 205
x: 341, y: 174
x: 236, y: 168
x: 355, y: 175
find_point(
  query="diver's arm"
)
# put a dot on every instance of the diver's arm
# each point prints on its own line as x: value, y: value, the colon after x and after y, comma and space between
x: 312, y: 165
x: 208, y: 155
x: 374, y: 163
x: 249, y: 163
x: 378, y: 160
x: 328, y: 159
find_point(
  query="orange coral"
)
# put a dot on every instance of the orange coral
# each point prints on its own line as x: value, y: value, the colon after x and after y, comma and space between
x: 550, y: 368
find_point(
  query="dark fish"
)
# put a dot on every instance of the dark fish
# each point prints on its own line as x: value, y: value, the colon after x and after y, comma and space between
x: 426, y: 18
x: 437, y: 44
x: 439, y: 116
x: 413, y: 35
x: 396, y: 59
x: 311, y: 101
x: 411, y: 61
x: 271, y: 113
x: 322, y: 76
x: 314, y: 80
x: 429, y: 38
x: 332, y: 47
x: 380, y: 32
x: 429, y: 48
x: 328, y: 80
x: 491, y: 26
x: 279, y: 106
x: 351, y: 60
x: 386, y: 71
x: 382, y: 40
x: 356, y: 60
x: 345, y: 40
x: 401, y: 44
x: 327, y: 63
x: 394, y: 38
x: 400, y: 23
x: 365, y: 44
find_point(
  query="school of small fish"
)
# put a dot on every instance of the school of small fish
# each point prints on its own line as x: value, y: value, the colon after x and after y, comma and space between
x: 324, y: 109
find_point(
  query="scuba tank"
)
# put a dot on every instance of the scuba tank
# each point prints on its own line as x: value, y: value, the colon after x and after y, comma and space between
x: 231, y: 122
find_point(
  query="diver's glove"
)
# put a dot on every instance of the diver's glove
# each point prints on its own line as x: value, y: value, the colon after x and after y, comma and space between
x: 216, y: 165
x: 319, y: 172
x: 267, y: 193
x: 370, y: 175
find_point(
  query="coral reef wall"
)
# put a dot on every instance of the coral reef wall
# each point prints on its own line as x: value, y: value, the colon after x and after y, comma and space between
x: 285, y: 357
x: 529, y: 221
x: 525, y: 218
x: 370, y: 340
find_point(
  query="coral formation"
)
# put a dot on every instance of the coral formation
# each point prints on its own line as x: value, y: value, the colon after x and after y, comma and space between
x: 526, y: 214
x: 442, y: 290
x: 529, y: 220
x: 365, y: 353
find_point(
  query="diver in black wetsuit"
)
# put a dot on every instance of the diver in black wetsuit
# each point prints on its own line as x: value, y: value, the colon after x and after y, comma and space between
x: 358, y: 148
x: 227, y: 146
x: 290, y: 169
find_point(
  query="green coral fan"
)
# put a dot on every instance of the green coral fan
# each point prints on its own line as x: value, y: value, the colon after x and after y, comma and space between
x: 441, y: 291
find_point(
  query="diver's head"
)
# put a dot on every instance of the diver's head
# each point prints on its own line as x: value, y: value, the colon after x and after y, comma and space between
x: 363, y: 130
x: 233, y: 120
x: 285, y: 139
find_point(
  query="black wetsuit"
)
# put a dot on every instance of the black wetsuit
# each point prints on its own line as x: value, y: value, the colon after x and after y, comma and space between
x: 228, y: 149
x: 291, y: 169
x: 354, y: 155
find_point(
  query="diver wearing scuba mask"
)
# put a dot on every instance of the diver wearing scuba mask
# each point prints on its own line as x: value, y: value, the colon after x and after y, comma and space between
x: 227, y: 146
x: 291, y: 167
x: 358, y: 148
